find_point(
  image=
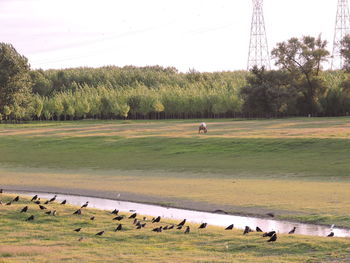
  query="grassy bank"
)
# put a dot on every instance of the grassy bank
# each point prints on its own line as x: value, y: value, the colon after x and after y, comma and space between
x: 297, y: 168
x: 52, y: 239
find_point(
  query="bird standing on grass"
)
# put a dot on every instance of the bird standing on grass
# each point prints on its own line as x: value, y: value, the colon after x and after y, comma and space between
x: 258, y: 229
x: 118, y: 228
x: 42, y: 207
x: 31, y: 218
x: 78, y: 212
x: 63, y: 202
x: 202, y: 226
x: 53, y: 199
x: 247, y: 230
x: 115, y: 212
x: 273, y: 238
x: 269, y: 234
x: 182, y: 223
x: 35, y: 197
x: 156, y: 220
x: 100, y: 233
x: 16, y: 199
x: 133, y: 215
x: 230, y: 227
x: 292, y: 231
x: 24, y: 209
x: 118, y: 218
x: 187, y: 230
x: 77, y: 230
x: 85, y: 205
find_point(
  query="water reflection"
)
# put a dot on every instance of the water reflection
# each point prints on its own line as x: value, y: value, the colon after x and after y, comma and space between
x: 239, y: 222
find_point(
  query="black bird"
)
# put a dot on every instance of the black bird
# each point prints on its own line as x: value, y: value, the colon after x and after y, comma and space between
x: 119, y: 227
x: 92, y: 218
x: 48, y: 212
x: 115, y: 212
x: 273, y: 238
x: 156, y: 220
x: 187, y: 230
x: 16, y: 199
x: 166, y: 227
x: 24, y: 209
x: 202, y: 226
x: 331, y: 234
x: 157, y: 229
x: 179, y: 227
x: 292, y: 231
x: 133, y: 215
x: 63, y: 202
x: 42, y: 207
x: 1, y: 191
x: 77, y: 230
x: 269, y: 234
x: 258, y: 229
x: 136, y: 221
x: 138, y: 226
x: 30, y: 218
x: 35, y: 197
x: 247, y: 230
x: 100, y: 233
x: 85, y: 205
x: 53, y: 198
x: 182, y: 223
x: 118, y: 218
x: 170, y: 227
x: 78, y: 212
x: 37, y: 202
x: 9, y: 203
x: 230, y: 227
x: 46, y: 202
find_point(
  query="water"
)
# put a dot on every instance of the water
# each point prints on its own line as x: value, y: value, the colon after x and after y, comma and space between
x: 223, y: 220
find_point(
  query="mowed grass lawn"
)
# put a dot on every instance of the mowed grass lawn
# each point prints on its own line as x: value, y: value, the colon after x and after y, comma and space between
x: 298, y: 168
x: 52, y: 239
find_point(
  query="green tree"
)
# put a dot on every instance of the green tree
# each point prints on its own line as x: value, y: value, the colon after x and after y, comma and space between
x: 14, y: 80
x: 303, y: 58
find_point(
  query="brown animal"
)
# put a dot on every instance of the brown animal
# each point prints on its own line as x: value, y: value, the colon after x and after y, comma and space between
x: 202, y: 127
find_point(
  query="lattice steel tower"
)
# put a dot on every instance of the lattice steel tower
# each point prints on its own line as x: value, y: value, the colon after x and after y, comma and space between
x: 258, y: 49
x: 342, y: 28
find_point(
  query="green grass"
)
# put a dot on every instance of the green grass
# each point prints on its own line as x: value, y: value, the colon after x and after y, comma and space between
x: 306, y: 158
x: 52, y: 239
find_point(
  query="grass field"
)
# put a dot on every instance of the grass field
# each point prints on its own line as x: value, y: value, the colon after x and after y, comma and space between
x: 52, y: 239
x: 297, y: 168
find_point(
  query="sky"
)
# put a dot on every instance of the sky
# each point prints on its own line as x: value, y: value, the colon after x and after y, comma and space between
x: 204, y: 35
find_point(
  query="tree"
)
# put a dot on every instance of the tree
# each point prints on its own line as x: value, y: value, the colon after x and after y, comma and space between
x: 302, y: 58
x: 345, y: 52
x: 14, y: 81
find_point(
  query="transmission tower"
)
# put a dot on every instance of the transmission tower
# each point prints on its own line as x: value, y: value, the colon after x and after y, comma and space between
x: 258, y: 50
x: 342, y: 28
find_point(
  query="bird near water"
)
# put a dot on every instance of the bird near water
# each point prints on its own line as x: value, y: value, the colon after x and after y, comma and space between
x: 182, y: 222
x: 202, y: 226
x: 16, y: 199
x: 258, y: 229
x: 133, y: 215
x: 63, y: 202
x: 273, y: 238
x: 53, y: 199
x: 42, y: 207
x: 187, y: 230
x: 34, y: 198
x: 269, y: 234
x: 85, y: 205
x: 78, y: 212
x: 118, y: 218
x: 331, y: 234
x: 115, y: 212
x: 246, y: 230
x: 230, y: 227
x: 156, y: 220
x: 292, y: 231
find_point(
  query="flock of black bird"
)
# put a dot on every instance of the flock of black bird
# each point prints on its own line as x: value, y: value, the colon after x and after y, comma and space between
x: 139, y: 223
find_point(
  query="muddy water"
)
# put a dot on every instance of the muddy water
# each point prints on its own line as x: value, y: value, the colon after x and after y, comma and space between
x: 197, y: 217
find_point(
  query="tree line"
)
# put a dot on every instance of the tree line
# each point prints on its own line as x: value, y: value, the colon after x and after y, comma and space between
x: 299, y: 87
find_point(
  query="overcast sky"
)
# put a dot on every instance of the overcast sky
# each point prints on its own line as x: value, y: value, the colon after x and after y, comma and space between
x: 206, y: 35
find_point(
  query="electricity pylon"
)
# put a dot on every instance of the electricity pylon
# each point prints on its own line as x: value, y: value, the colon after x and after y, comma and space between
x: 342, y: 28
x: 258, y: 49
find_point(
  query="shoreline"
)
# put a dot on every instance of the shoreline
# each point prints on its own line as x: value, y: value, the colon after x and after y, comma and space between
x: 153, y: 200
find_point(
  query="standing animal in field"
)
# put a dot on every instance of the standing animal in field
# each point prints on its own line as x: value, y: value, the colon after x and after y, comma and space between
x: 203, y: 127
